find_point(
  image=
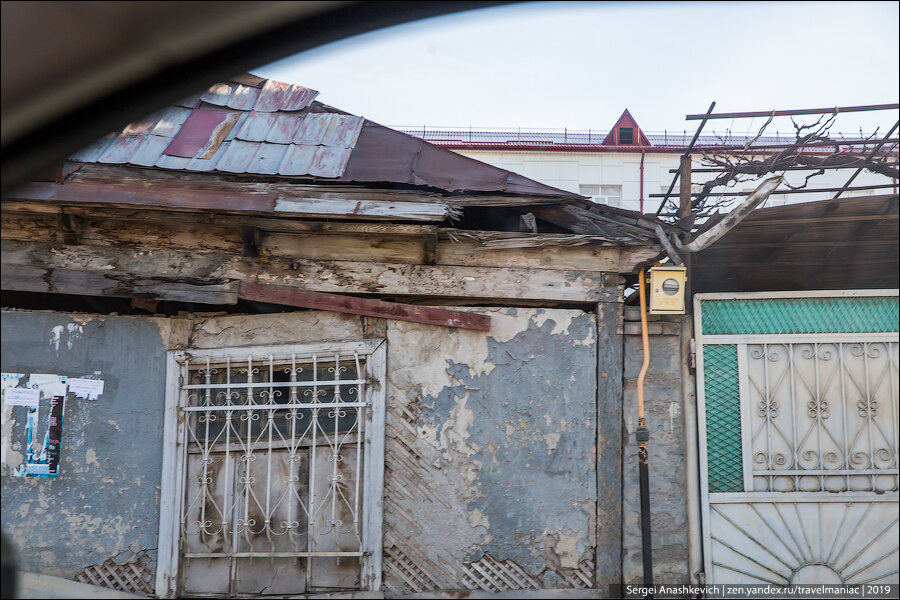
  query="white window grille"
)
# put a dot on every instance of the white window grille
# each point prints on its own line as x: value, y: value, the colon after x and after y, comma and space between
x: 822, y: 416
x: 274, y: 466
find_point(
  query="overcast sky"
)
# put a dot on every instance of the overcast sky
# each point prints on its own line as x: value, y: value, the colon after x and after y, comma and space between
x: 579, y: 65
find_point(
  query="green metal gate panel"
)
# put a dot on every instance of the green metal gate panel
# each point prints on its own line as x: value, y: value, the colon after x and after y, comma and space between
x: 800, y: 315
x: 723, y: 418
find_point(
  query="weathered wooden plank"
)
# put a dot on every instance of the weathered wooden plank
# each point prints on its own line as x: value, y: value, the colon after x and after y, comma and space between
x: 364, y: 247
x: 608, y: 565
x: 632, y: 258
x: 183, y: 235
x: 30, y: 227
x: 501, y: 200
x: 580, y: 221
x: 282, y: 224
x: 467, y: 251
x: 324, y: 276
x: 145, y: 196
x: 92, y: 173
x: 114, y: 285
x: 344, y: 208
x: 463, y: 252
x: 278, y: 294
x: 176, y: 234
x: 326, y: 241
x: 507, y: 240
x: 149, y: 196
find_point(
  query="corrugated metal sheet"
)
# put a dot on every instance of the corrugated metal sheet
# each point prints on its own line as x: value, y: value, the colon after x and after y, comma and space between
x: 267, y: 129
x: 257, y: 126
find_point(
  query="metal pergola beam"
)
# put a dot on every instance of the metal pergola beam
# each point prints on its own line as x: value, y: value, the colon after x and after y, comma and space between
x: 797, y: 191
x: 687, y: 152
x: 787, y: 113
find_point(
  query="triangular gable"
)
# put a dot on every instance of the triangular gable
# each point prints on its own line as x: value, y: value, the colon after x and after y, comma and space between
x: 628, y: 122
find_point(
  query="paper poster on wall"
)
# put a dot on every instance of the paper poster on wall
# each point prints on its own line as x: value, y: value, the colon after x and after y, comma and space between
x: 43, y: 394
x: 89, y: 389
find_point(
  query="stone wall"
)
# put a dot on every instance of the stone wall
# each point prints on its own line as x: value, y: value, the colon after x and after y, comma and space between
x: 664, y: 406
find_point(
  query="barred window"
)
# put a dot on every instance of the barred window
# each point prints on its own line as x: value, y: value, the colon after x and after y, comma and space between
x: 278, y: 478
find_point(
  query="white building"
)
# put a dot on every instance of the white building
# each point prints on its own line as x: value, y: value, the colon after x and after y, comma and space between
x: 624, y: 166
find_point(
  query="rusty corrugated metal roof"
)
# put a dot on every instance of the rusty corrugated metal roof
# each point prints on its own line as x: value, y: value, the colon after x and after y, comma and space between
x: 269, y: 129
x: 258, y: 126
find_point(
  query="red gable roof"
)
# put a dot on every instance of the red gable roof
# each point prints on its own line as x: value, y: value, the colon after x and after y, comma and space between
x: 626, y: 120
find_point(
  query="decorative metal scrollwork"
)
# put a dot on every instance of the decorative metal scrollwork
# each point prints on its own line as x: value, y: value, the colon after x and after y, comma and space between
x: 823, y: 415
x: 274, y: 456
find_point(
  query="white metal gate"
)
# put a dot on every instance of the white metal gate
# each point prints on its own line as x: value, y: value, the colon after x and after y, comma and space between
x: 798, y: 427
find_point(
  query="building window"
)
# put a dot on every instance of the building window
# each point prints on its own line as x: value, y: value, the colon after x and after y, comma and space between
x: 278, y: 471
x: 610, y: 195
x: 589, y: 190
x: 626, y: 135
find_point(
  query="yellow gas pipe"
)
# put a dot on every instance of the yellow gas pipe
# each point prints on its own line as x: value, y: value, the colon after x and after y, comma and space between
x: 643, y: 440
x: 645, y: 343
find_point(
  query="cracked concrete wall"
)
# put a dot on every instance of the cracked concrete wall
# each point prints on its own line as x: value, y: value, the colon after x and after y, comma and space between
x: 491, y: 448
x: 663, y: 406
x: 105, y: 501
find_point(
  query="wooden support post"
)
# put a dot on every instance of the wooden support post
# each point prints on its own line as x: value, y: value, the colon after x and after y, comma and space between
x: 684, y: 212
x: 608, y: 564
x: 684, y: 206
x: 429, y: 248
x: 116, y: 266
x: 252, y: 240
x: 70, y: 227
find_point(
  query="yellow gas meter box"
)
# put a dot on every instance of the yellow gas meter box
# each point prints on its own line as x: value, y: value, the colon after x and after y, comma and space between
x: 667, y: 290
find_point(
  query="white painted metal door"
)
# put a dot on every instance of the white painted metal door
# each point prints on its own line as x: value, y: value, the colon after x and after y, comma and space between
x: 798, y: 427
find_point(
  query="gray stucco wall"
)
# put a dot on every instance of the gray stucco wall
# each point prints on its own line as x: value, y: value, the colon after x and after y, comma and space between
x: 105, y: 501
x: 663, y: 405
x: 490, y: 458
x: 490, y: 441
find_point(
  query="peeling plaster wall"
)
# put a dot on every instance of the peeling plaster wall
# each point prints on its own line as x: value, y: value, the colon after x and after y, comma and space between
x: 105, y: 501
x: 490, y: 440
x: 490, y: 452
x: 663, y: 406
x: 276, y: 328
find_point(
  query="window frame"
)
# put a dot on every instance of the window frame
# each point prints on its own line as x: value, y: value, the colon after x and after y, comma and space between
x: 174, y: 450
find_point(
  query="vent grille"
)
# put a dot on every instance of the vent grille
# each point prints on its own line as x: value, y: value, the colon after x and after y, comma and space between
x: 134, y: 576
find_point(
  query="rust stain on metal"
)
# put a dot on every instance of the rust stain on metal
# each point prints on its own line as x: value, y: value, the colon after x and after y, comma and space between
x: 259, y: 126
x: 196, y: 131
x: 219, y: 134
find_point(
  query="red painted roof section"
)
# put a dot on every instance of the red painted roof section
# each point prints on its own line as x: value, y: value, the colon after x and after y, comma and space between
x: 626, y: 120
x: 196, y: 131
